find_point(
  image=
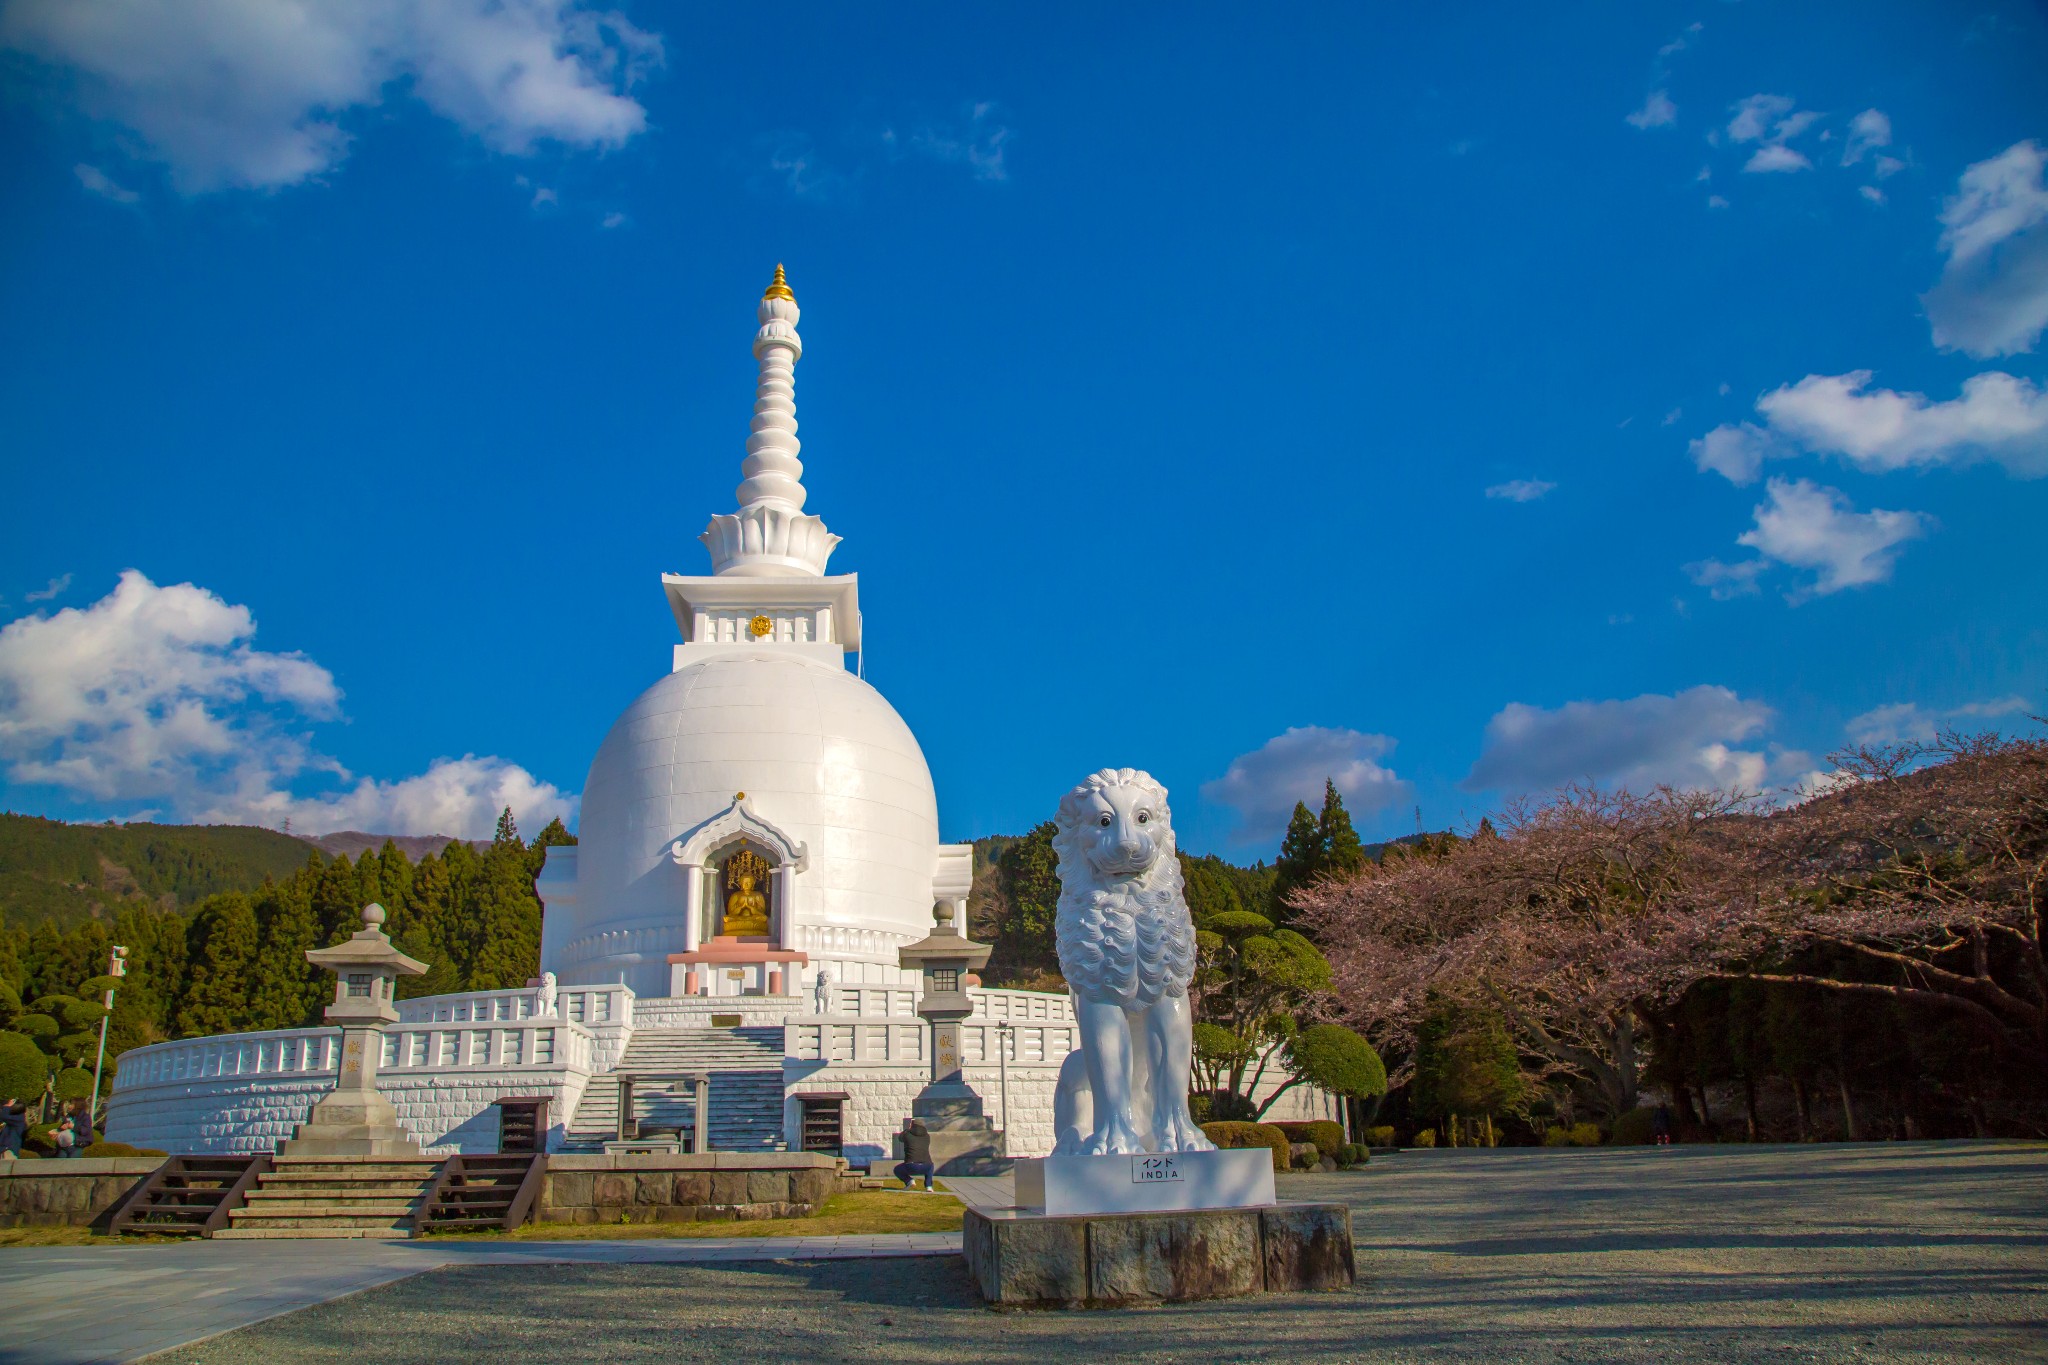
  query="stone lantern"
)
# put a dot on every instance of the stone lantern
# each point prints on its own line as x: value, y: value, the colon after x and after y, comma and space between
x: 355, y: 1120
x: 963, y: 1139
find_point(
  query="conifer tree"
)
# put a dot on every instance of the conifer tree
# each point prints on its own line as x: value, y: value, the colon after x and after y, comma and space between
x: 1342, y: 853
x: 507, y: 914
x: 223, y: 965
x: 284, y: 992
x: 1300, y: 861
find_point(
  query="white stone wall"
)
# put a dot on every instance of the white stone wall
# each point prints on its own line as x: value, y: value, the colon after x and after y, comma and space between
x: 879, y: 1097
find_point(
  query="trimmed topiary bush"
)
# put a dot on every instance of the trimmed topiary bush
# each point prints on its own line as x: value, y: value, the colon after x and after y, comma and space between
x: 22, y: 1068
x: 1578, y: 1135
x: 1328, y: 1136
x: 1424, y: 1138
x: 1353, y: 1154
x: 1636, y: 1128
x: 1234, y: 1135
x: 1381, y: 1136
x: 73, y: 1083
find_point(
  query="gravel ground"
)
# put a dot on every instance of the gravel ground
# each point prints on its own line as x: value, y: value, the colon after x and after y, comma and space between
x: 1893, y: 1252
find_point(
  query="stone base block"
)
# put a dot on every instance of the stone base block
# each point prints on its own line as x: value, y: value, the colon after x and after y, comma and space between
x: 1073, y: 1186
x: 1026, y: 1260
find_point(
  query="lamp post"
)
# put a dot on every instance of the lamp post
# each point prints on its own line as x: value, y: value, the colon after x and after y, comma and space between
x: 117, y: 966
x: 1005, y: 1033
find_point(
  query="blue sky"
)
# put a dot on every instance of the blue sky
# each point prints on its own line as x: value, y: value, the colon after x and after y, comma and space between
x: 1455, y: 404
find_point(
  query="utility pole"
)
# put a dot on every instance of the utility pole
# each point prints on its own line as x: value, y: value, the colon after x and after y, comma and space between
x: 117, y: 966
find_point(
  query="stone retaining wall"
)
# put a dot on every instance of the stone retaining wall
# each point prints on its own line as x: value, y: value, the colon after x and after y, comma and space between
x: 73, y: 1192
x: 661, y: 1188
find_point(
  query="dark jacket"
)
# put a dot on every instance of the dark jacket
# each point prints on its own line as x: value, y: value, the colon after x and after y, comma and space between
x: 917, y: 1144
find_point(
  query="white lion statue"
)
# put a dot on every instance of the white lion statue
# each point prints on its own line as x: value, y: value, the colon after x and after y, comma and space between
x: 1127, y: 949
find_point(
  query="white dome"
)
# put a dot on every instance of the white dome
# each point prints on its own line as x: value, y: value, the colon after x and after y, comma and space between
x: 821, y: 756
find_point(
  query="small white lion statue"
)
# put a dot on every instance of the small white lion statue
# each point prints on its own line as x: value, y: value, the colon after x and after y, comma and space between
x: 1127, y: 949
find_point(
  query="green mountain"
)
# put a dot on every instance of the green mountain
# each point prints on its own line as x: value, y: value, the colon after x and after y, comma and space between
x: 63, y: 873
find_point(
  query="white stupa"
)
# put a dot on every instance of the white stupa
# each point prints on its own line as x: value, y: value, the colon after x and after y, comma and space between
x: 759, y: 746
x: 758, y: 817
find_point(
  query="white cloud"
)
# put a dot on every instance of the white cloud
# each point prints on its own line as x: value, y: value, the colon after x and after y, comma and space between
x: 1726, y: 581
x: 1906, y: 721
x: 56, y: 588
x: 1872, y: 193
x: 97, y: 181
x: 1263, y: 785
x: 612, y: 220
x: 1672, y: 416
x: 1868, y: 131
x: 543, y: 197
x: 457, y: 796
x: 979, y: 141
x: 1992, y: 298
x: 1701, y: 738
x: 1734, y: 450
x: 1996, y: 417
x: 1807, y: 526
x: 1886, y: 167
x: 1715, y: 201
x: 1657, y: 111
x: 1520, y: 490
x: 157, y: 695
x: 1776, y: 158
x: 257, y: 93
x: 1681, y: 42
x: 1773, y: 121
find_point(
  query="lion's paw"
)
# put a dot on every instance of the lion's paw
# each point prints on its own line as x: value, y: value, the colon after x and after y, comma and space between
x: 1114, y: 1138
x: 1180, y: 1133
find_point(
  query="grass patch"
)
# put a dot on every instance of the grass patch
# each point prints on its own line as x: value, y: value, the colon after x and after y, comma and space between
x: 75, y: 1237
x: 857, y: 1212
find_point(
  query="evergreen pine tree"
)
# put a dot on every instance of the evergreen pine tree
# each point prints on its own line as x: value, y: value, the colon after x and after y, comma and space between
x: 223, y: 965
x: 1299, y: 863
x: 287, y: 989
x: 1342, y: 853
x: 508, y: 917
x: 508, y: 828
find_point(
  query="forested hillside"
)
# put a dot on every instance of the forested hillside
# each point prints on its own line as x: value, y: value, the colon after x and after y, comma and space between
x: 66, y: 873
x: 235, y: 960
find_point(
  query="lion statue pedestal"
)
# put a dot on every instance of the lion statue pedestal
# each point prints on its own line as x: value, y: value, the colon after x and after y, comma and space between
x: 1135, y: 1204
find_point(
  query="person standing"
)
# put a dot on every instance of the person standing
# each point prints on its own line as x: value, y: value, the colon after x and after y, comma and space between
x: 65, y: 1138
x: 81, y: 1125
x: 917, y: 1154
x: 13, y: 1126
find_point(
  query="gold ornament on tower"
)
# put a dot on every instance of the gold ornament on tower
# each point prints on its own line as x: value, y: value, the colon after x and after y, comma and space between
x: 759, y: 626
x: 746, y: 906
x: 779, y: 287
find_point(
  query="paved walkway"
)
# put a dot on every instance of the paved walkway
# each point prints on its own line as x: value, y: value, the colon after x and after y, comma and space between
x: 71, y: 1305
x: 985, y: 1192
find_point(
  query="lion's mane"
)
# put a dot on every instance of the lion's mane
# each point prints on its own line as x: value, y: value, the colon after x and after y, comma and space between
x: 1130, y: 941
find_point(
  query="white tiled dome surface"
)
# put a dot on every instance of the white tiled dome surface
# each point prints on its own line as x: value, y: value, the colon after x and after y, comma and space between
x: 819, y: 754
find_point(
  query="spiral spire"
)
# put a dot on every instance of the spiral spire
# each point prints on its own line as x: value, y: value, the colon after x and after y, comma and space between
x: 770, y: 536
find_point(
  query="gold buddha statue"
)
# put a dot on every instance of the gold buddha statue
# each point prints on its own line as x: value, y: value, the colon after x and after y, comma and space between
x: 746, y: 910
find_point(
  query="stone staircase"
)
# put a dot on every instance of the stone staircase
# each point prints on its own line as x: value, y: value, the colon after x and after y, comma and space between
x: 335, y: 1197
x: 745, y: 1068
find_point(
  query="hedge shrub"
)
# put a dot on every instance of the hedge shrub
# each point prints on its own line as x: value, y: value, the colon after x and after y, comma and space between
x: 1233, y: 1135
x: 1578, y: 1135
x: 1635, y: 1128
x: 1382, y: 1136
x: 1424, y: 1138
x: 1353, y: 1154
x: 1327, y: 1135
x: 118, y: 1149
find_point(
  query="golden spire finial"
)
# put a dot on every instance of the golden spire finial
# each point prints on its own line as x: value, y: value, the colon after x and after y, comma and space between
x: 779, y: 288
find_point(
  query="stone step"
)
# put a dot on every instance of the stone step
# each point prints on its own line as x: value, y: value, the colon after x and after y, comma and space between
x: 381, y: 1221
x: 274, y: 1234
x: 390, y: 1201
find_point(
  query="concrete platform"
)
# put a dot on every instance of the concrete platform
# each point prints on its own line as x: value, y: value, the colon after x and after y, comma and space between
x: 1021, y: 1259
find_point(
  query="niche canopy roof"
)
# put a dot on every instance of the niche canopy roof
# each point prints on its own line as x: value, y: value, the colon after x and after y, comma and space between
x: 768, y: 586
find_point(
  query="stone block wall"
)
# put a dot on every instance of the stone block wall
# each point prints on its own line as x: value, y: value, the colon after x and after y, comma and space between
x: 445, y: 1111
x: 660, y: 1188
x: 879, y: 1100
x: 77, y: 1192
